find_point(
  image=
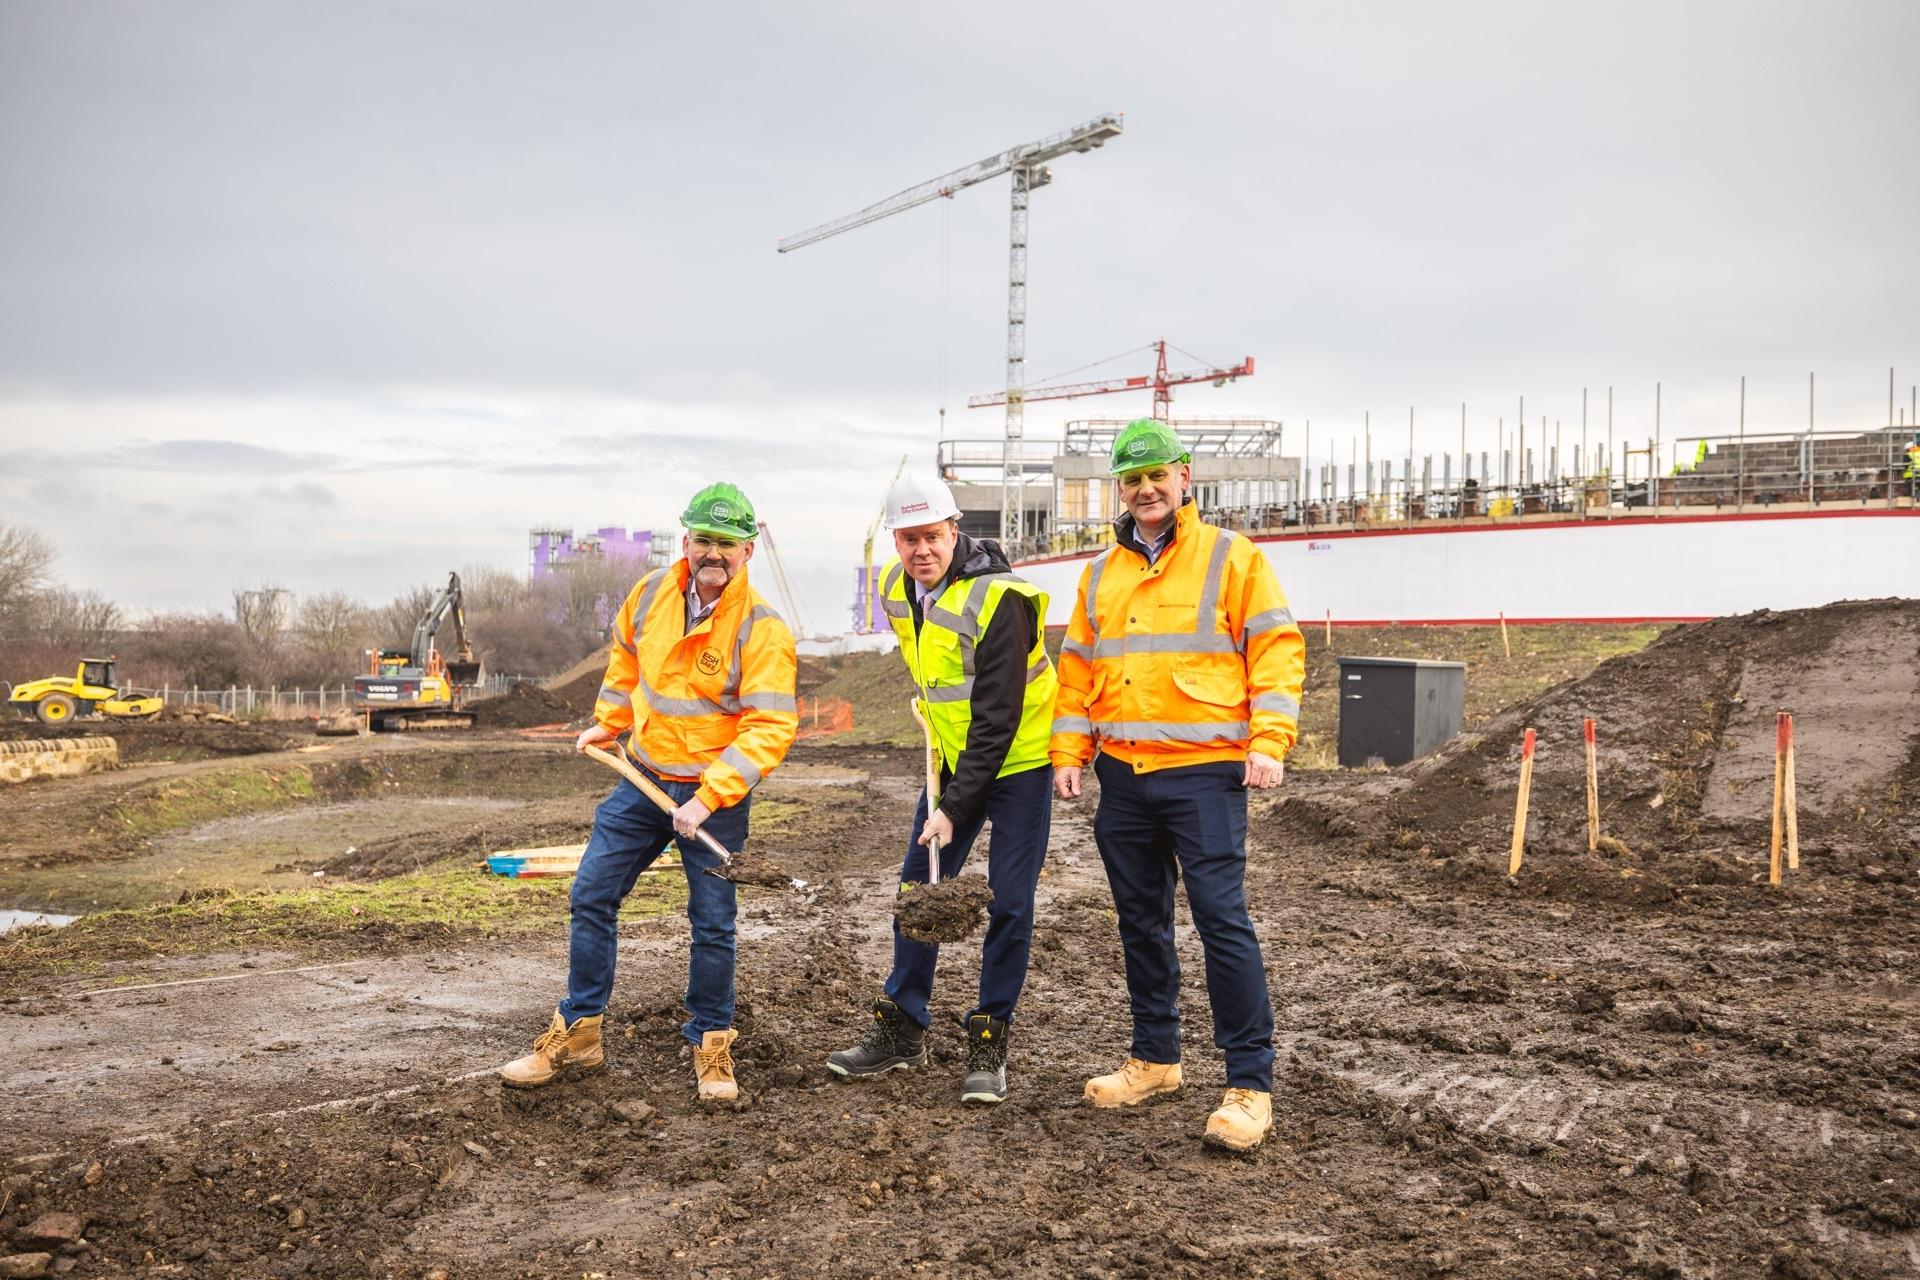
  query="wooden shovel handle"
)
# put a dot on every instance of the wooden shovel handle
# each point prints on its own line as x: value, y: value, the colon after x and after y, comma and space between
x: 933, y: 786
x: 625, y: 769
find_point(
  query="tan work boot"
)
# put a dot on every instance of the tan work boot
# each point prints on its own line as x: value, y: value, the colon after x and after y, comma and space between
x: 559, y: 1050
x: 1133, y: 1083
x: 1243, y: 1120
x: 713, y: 1066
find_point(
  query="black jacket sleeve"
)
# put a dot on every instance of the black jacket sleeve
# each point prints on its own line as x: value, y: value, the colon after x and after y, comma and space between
x: 999, y: 693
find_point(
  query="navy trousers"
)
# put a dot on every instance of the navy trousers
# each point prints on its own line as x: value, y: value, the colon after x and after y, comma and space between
x: 629, y: 832
x: 1151, y: 828
x: 1021, y: 807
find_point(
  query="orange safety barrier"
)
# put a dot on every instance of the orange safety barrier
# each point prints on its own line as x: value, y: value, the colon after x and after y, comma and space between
x: 822, y: 716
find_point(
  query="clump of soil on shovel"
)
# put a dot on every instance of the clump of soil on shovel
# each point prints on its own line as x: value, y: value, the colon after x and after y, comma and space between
x: 751, y: 868
x: 944, y: 912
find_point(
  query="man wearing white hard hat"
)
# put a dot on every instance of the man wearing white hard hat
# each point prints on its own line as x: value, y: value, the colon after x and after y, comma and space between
x: 971, y: 634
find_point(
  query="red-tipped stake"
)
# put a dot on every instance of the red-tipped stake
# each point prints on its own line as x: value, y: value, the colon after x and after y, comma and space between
x: 1520, y: 806
x: 1781, y: 736
x: 1593, y: 788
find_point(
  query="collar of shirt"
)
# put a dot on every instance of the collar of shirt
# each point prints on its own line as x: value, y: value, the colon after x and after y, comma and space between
x: 1157, y: 545
x: 696, y: 608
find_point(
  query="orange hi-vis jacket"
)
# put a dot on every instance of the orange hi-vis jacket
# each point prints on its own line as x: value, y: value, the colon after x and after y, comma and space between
x: 713, y: 702
x: 1192, y: 659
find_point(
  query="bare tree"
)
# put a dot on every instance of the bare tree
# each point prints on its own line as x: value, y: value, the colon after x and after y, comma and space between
x: 83, y: 623
x: 25, y: 557
x: 394, y: 621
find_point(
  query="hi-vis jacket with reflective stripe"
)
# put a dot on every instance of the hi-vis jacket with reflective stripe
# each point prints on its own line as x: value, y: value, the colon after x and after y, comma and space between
x: 1192, y: 659
x: 940, y: 657
x: 713, y: 701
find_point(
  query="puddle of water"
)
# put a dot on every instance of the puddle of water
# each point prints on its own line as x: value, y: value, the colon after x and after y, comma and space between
x: 21, y: 919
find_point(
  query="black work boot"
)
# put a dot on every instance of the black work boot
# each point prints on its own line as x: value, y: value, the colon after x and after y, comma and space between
x: 892, y: 1042
x: 986, y: 1060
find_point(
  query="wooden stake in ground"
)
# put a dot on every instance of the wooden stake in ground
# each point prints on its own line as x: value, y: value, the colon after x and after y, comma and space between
x: 1779, y: 793
x: 1520, y: 806
x: 1329, y: 628
x: 1505, y: 643
x: 1593, y: 787
x: 1792, y: 807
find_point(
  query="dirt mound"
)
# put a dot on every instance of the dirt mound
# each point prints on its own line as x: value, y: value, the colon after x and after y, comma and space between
x: 879, y: 688
x: 166, y: 738
x: 524, y: 705
x: 1686, y: 734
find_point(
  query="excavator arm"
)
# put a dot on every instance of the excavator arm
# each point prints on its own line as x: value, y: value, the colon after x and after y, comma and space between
x: 461, y: 669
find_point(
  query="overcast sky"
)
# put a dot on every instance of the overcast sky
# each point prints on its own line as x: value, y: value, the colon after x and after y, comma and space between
x: 342, y: 296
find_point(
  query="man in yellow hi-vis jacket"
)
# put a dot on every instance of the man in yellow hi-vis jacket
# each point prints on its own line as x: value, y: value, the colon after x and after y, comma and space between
x: 1182, y: 668
x: 699, y: 685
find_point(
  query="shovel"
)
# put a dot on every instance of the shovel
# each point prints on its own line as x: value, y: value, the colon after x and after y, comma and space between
x: 744, y: 869
x: 941, y: 912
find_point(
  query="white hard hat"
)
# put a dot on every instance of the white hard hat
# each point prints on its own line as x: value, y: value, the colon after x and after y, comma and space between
x: 916, y: 501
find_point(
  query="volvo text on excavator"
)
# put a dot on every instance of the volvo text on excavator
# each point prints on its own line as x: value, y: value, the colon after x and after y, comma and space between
x: 417, y: 688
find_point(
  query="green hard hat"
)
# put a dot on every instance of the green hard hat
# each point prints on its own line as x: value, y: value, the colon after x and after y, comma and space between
x: 723, y: 510
x: 1146, y: 442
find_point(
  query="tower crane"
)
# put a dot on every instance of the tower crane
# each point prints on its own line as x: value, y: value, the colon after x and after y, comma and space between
x: 1027, y: 162
x: 1161, y: 381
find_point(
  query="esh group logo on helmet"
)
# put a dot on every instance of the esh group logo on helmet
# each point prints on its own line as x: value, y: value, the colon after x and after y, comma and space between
x: 1137, y: 448
x: 720, y: 510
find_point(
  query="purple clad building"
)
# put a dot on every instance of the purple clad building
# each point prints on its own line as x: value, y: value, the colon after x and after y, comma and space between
x: 554, y: 547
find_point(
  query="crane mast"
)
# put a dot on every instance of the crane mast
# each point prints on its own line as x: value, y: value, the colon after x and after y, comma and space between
x: 1027, y: 163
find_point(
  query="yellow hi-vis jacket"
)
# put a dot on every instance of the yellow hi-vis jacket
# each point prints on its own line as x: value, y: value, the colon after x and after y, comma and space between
x: 1192, y: 659
x: 940, y: 659
x: 714, y: 701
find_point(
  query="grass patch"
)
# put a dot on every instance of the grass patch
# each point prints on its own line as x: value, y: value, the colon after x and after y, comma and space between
x: 450, y: 902
x: 192, y: 799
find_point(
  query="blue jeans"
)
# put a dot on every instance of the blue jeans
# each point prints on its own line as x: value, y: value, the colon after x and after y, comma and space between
x: 629, y: 832
x: 1151, y: 828
x: 1021, y: 807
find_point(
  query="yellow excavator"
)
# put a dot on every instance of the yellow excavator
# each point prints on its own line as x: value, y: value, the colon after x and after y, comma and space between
x: 90, y: 690
x: 417, y: 688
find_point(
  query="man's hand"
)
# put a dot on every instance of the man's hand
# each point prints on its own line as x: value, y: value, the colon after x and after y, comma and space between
x: 1263, y: 772
x: 688, y: 817
x: 1066, y: 781
x: 939, y: 827
x: 592, y: 736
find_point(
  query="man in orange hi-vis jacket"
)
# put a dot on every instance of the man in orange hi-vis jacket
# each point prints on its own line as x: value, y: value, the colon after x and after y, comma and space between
x: 1182, y: 668
x: 699, y: 688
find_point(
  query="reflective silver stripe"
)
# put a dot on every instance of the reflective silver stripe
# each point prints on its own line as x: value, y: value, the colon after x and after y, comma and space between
x: 769, y: 702
x: 1170, y: 731
x: 1084, y: 652
x: 893, y: 576
x: 1120, y: 646
x: 1210, y: 591
x: 1038, y: 669
x: 747, y: 769
x: 1275, y: 702
x: 896, y: 608
x: 664, y: 770
x: 949, y: 692
x: 622, y: 642
x: 1073, y: 724
x: 754, y: 614
x: 1267, y: 621
x: 1094, y: 570
x: 614, y: 697
x: 680, y: 706
x: 964, y: 627
x: 645, y: 606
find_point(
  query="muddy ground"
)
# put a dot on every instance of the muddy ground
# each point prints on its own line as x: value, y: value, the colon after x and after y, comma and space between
x: 1668, y: 1073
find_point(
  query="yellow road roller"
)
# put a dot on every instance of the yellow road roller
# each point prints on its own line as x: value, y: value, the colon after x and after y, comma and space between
x: 90, y: 690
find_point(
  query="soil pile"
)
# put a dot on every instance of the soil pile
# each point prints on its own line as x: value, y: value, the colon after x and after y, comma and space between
x: 168, y: 738
x: 946, y: 912
x: 1686, y: 744
x: 525, y: 705
x: 879, y: 688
